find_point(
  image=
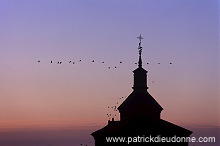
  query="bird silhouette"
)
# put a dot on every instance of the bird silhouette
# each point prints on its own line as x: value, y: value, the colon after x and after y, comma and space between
x: 120, y: 62
x: 51, y: 61
x: 80, y: 60
x: 38, y: 61
x: 70, y: 61
x: 170, y: 63
x: 93, y: 60
x: 115, y: 67
x: 147, y: 63
x: 103, y: 62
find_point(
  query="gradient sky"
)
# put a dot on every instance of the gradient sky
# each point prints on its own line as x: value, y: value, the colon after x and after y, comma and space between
x: 184, y: 32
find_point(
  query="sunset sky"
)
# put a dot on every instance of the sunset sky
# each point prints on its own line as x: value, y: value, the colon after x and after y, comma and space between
x: 40, y: 94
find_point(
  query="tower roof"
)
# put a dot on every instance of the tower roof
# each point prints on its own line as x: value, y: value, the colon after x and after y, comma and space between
x: 140, y: 98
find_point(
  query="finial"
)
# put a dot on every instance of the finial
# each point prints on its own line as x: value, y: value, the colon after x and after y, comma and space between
x: 140, y: 51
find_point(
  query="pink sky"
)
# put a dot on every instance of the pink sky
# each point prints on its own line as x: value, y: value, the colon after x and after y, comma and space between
x: 44, y: 94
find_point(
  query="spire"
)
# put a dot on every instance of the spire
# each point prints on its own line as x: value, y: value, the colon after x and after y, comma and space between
x: 140, y: 74
x: 140, y: 51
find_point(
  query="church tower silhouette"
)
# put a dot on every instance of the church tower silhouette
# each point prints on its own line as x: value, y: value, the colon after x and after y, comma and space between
x: 140, y: 122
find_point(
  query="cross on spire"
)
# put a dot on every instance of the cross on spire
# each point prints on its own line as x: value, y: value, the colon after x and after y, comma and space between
x: 140, y: 37
x: 140, y: 51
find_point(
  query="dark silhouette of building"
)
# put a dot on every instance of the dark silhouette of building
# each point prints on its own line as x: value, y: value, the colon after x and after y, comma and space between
x: 140, y: 119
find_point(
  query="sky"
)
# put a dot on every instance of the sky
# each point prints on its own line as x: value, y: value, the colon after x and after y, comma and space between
x: 49, y: 95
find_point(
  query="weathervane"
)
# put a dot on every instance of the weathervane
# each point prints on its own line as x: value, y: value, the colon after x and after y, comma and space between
x: 140, y: 51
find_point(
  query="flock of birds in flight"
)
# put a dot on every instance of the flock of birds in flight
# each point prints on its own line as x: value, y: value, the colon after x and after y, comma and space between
x: 113, y: 109
x: 93, y: 61
x: 73, y: 62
